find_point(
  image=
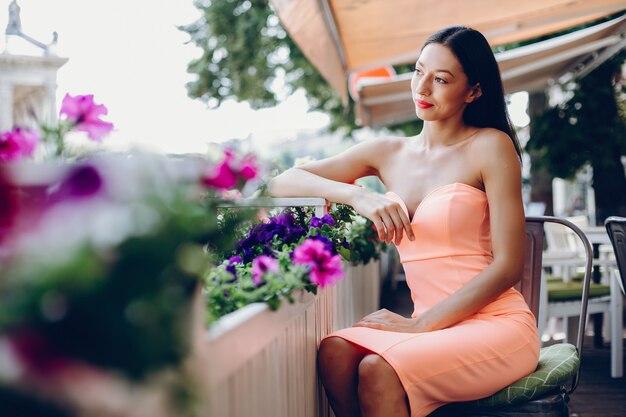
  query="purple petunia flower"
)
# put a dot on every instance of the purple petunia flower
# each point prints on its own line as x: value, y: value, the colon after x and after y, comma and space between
x: 262, y: 235
x: 262, y: 265
x: 319, y: 222
x: 230, y: 267
x: 325, y: 267
x: 85, y: 115
x: 82, y: 181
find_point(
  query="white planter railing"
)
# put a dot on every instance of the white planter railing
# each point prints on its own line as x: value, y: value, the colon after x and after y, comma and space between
x: 263, y: 363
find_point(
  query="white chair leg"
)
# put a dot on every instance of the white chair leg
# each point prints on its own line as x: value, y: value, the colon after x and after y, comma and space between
x: 543, y: 316
x: 570, y: 328
x: 617, y: 330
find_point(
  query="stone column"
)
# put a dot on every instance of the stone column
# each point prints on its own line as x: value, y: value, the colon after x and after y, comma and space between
x: 50, y: 107
x: 6, y: 105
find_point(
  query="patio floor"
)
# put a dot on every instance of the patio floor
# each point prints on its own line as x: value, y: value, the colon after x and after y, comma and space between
x: 597, y: 395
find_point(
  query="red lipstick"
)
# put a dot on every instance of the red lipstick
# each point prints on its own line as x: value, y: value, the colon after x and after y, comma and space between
x: 423, y: 104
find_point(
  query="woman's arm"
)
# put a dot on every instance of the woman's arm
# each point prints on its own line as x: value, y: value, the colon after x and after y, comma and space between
x: 501, y: 175
x: 330, y: 178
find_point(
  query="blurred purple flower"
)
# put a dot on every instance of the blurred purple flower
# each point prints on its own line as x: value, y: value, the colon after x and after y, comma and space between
x: 325, y: 267
x: 84, y: 114
x: 17, y: 143
x: 319, y: 222
x: 261, y: 236
x: 262, y: 265
x: 82, y: 181
x: 230, y: 267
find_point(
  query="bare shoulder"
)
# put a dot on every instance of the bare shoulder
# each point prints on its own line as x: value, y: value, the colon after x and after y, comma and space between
x: 379, y: 149
x: 386, y: 143
x: 493, y: 146
x: 496, y: 160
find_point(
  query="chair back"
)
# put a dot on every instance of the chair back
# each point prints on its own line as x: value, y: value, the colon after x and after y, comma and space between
x: 616, y: 228
x: 560, y: 240
x: 530, y: 283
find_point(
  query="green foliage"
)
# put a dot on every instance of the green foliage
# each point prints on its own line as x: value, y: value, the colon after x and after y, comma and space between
x: 589, y: 128
x: 224, y: 294
x: 245, y: 51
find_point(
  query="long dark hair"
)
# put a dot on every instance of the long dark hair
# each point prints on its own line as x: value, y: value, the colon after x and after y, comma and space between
x: 479, y: 64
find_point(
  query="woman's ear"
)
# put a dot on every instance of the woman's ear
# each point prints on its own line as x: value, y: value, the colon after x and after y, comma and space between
x: 474, y: 93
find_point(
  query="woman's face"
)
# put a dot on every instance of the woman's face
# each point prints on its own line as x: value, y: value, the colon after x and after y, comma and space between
x: 439, y: 86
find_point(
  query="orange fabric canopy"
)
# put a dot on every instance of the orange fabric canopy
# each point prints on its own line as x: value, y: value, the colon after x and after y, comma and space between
x: 342, y: 36
x: 527, y: 68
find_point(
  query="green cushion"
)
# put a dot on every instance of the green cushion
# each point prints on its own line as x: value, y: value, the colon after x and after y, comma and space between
x: 557, y: 365
x: 573, y: 290
x: 557, y: 278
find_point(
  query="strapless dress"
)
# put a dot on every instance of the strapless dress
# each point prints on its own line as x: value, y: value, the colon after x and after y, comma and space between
x: 477, y: 356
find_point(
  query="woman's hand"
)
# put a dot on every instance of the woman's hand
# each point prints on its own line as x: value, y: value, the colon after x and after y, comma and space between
x: 387, y: 215
x: 391, y: 322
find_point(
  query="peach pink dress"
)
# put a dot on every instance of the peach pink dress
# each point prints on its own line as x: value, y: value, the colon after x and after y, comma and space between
x: 477, y: 356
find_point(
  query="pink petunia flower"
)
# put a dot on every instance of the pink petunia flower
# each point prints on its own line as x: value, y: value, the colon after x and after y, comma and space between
x: 325, y: 268
x: 262, y: 265
x: 85, y: 115
x: 230, y: 171
x: 17, y: 143
x: 221, y: 177
x: 248, y: 168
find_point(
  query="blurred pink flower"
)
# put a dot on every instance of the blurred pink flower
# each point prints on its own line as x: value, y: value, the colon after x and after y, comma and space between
x: 85, y: 115
x: 230, y: 171
x: 221, y: 177
x: 248, y: 168
x: 17, y: 143
x: 36, y: 354
x: 325, y: 268
x: 262, y: 265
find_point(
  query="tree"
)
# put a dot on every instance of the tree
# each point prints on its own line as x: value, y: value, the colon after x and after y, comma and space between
x: 589, y: 128
x: 246, y: 52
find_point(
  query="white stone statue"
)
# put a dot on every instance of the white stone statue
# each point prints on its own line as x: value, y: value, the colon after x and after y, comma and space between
x: 14, y: 27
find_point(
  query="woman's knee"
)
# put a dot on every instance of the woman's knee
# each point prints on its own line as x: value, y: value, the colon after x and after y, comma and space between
x: 376, y: 376
x: 335, y: 351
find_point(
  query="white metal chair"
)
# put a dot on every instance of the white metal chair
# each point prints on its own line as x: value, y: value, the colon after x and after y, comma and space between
x: 546, y: 391
x: 561, y: 291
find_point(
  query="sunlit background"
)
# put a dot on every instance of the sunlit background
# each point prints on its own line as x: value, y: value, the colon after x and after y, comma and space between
x: 133, y: 58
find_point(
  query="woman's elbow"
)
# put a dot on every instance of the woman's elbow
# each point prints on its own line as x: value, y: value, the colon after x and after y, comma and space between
x: 273, y: 187
x: 276, y: 187
x: 512, y: 271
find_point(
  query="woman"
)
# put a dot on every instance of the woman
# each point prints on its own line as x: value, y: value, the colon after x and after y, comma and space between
x: 454, y: 211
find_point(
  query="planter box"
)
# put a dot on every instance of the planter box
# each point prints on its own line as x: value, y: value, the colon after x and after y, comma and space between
x: 263, y: 363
